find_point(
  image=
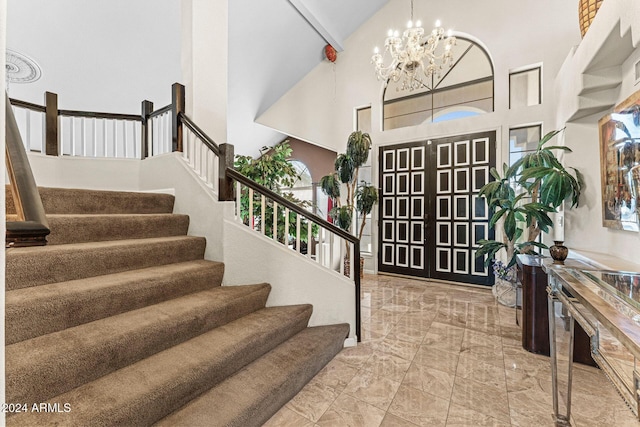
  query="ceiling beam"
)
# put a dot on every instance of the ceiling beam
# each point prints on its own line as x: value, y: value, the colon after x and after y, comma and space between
x: 318, y: 21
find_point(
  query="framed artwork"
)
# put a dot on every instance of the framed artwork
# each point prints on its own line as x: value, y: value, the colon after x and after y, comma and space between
x: 620, y: 165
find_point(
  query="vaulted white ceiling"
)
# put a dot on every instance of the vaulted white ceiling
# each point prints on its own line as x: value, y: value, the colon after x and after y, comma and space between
x: 108, y: 55
x: 272, y: 45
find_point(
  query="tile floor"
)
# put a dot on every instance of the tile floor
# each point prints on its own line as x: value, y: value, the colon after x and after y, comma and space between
x: 442, y: 355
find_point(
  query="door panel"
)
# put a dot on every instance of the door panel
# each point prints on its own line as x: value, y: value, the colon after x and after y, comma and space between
x: 431, y: 216
x: 402, y: 210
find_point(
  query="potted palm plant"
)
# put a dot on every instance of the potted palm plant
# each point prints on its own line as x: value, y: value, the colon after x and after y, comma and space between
x: 544, y: 185
x: 347, y: 166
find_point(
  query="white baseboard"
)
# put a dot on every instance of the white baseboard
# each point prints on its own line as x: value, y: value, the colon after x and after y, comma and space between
x: 350, y: 342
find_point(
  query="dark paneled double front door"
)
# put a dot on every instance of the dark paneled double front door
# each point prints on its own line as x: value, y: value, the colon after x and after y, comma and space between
x: 430, y: 214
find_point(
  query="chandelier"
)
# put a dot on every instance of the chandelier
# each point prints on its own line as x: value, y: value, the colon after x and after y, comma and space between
x: 412, y: 57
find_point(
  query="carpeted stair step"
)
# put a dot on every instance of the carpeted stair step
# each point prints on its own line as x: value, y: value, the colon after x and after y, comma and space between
x: 40, y: 310
x: 43, y: 367
x: 76, y: 201
x: 147, y: 391
x: 254, y: 394
x: 40, y: 265
x: 98, y: 228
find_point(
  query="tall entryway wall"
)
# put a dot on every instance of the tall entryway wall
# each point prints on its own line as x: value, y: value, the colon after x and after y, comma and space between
x: 430, y: 214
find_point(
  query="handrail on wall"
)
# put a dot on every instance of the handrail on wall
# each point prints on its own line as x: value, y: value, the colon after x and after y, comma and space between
x: 31, y: 228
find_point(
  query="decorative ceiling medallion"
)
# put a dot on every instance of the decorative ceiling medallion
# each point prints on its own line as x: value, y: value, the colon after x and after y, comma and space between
x: 21, y: 69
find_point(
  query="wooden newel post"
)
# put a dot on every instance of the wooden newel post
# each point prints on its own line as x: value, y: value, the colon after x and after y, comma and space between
x: 177, y: 108
x: 225, y: 184
x: 146, y: 110
x: 51, y: 124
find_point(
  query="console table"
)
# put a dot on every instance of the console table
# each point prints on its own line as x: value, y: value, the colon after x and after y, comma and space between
x: 607, y: 306
x: 534, y: 319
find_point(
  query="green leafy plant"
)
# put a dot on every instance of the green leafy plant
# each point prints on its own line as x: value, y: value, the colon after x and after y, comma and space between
x: 271, y: 169
x: 360, y: 198
x: 543, y: 180
x: 274, y: 171
x: 366, y: 198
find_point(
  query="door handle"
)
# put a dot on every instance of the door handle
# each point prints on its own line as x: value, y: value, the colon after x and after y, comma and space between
x: 427, y: 228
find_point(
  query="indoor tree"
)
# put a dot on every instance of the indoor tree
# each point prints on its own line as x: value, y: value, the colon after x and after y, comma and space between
x: 359, y: 197
x: 273, y: 170
x: 546, y: 182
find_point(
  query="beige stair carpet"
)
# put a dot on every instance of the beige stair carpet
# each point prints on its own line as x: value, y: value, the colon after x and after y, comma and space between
x: 121, y: 321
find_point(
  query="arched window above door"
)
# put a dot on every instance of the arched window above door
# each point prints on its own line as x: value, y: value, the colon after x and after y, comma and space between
x: 464, y: 90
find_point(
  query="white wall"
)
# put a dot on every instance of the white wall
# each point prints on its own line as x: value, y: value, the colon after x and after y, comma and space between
x: 253, y: 258
x: 584, y: 229
x: 205, y: 45
x: 192, y: 197
x: 320, y: 108
x: 99, y: 55
x: 609, y: 51
x: 79, y: 172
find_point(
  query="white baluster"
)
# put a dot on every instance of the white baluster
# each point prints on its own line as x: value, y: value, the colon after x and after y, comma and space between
x: 165, y: 137
x: 154, y: 136
x: 286, y: 227
x: 309, y: 234
x: 203, y: 161
x: 115, y: 138
x: 197, y: 157
x: 298, y: 232
x: 169, y: 136
x: 83, y: 139
x: 331, y: 250
x: 238, y: 202
x: 95, y: 138
x: 251, y: 208
x: 341, y: 264
x: 275, y: 220
x: 214, y: 175
x: 28, y: 130
x: 205, y: 164
x: 320, y: 253
x: 104, y: 138
x: 136, y: 132
x: 263, y: 214
x: 125, y: 142
x: 69, y: 120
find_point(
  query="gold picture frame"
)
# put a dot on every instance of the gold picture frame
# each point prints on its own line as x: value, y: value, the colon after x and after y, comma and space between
x: 620, y: 165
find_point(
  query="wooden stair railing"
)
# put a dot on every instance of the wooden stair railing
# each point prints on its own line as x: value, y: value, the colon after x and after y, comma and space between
x: 178, y: 134
x: 31, y: 227
x: 228, y: 177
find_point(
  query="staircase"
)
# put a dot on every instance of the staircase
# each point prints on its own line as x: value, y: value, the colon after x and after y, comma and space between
x: 121, y: 321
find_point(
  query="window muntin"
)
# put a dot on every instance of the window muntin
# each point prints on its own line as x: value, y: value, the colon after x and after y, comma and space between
x: 464, y: 90
x: 303, y: 188
x: 523, y: 140
x: 363, y: 123
x: 525, y: 88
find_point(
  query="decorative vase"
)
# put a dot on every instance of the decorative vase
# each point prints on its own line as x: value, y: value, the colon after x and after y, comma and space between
x: 587, y: 10
x: 505, y: 292
x: 558, y: 252
x: 361, y: 268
